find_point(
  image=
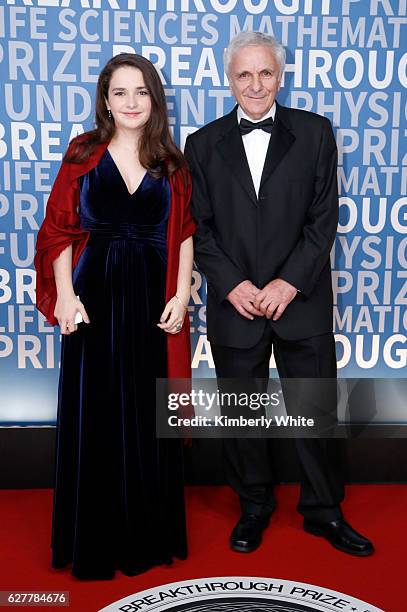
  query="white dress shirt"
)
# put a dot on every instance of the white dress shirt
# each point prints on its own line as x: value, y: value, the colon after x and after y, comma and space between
x: 256, y: 144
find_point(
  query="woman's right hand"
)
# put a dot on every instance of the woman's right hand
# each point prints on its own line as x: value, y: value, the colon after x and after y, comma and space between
x: 66, y: 308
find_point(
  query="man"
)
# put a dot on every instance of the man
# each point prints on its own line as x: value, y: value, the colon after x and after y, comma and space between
x: 266, y: 205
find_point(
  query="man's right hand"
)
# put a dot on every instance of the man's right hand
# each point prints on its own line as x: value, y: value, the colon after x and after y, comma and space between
x: 242, y: 297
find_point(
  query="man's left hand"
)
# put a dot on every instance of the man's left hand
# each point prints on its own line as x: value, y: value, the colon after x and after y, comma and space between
x: 274, y: 298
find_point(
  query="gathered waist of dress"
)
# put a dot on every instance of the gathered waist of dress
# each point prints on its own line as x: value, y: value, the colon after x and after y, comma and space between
x: 148, y: 234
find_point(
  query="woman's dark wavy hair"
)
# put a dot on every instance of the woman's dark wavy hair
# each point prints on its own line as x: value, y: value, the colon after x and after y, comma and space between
x: 157, y: 151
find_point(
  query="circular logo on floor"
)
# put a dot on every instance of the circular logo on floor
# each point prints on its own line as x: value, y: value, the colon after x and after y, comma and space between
x: 239, y: 594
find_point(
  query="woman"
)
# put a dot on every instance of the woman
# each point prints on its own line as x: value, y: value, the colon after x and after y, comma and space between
x: 117, y: 234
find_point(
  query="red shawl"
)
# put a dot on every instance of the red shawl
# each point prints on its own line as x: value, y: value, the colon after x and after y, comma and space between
x: 61, y: 228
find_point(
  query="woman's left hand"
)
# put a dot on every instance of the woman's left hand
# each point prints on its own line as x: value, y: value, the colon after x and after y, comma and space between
x: 172, y: 317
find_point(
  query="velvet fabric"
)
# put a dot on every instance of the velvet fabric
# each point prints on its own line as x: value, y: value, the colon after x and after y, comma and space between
x: 62, y: 227
x: 118, y: 500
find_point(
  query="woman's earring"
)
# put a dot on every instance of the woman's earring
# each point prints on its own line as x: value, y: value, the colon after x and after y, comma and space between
x: 109, y: 112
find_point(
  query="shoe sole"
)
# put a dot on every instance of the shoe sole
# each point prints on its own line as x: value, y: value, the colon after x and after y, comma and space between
x: 244, y: 549
x: 317, y: 532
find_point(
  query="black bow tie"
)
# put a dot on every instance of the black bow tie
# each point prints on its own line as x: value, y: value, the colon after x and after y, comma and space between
x: 247, y: 126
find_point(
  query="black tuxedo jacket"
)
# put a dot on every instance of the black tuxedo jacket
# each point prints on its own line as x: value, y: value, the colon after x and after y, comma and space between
x: 287, y: 232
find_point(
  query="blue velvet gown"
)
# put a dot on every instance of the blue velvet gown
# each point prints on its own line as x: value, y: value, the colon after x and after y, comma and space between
x: 118, y: 501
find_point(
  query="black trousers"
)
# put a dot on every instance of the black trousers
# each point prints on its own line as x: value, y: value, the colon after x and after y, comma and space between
x: 247, y: 461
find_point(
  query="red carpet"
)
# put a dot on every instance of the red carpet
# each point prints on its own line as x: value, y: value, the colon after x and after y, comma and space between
x: 379, y: 511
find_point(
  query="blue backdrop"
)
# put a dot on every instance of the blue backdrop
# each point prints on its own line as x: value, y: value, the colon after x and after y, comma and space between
x: 345, y: 60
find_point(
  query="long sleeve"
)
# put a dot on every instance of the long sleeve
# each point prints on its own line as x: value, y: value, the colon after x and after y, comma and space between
x: 220, y: 271
x: 311, y: 253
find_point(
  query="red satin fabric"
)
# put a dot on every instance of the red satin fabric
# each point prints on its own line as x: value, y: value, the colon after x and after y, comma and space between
x: 61, y: 228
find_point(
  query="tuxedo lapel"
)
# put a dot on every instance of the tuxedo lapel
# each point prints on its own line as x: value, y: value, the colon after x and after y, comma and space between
x: 280, y: 141
x: 231, y: 148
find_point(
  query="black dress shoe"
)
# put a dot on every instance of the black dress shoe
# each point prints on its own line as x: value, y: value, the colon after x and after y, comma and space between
x: 246, y: 534
x: 341, y: 535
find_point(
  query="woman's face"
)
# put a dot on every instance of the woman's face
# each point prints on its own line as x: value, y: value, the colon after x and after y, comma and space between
x: 128, y: 99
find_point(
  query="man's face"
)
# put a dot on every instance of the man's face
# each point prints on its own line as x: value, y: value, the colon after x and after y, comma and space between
x: 254, y: 79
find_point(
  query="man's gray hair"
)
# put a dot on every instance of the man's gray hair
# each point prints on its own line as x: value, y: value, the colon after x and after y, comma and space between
x: 254, y: 39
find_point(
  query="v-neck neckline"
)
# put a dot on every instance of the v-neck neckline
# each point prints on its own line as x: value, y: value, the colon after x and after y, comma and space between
x: 130, y: 194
